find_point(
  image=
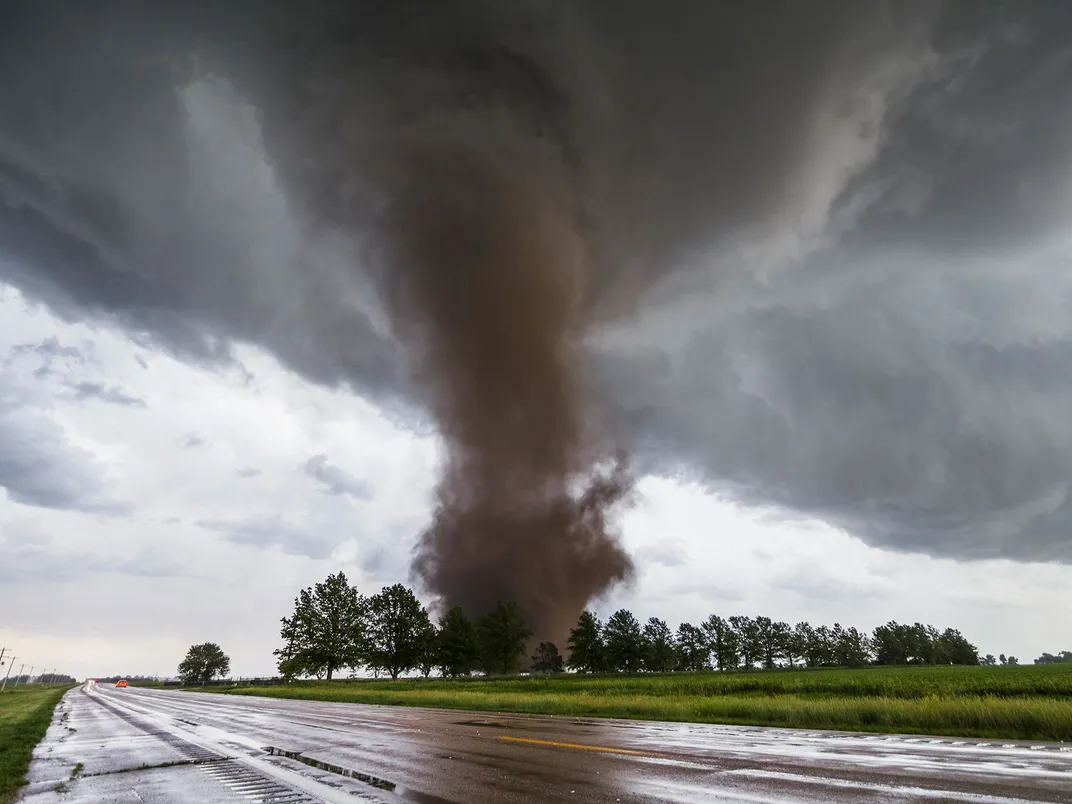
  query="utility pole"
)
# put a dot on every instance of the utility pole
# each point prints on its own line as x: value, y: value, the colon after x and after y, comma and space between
x: 10, y: 662
x: 18, y: 678
x: 2, y: 651
x: 29, y: 678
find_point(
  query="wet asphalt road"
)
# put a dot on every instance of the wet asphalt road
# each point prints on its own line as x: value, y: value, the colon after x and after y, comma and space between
x: 174, y: 747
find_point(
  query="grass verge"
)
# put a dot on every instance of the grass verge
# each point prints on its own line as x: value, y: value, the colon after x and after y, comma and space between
x: 1031, y: 703
x: 24, y: 718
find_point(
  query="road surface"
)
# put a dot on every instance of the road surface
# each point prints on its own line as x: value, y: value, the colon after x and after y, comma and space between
x: 169, y: 747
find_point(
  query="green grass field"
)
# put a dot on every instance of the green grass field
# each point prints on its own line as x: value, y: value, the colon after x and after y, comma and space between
x: 1030, y: 702
x: 24, y: 717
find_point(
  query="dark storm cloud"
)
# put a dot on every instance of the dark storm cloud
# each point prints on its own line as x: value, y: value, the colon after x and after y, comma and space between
x: 109, y: 394
x: 335, y: 480
x: 896, y: 173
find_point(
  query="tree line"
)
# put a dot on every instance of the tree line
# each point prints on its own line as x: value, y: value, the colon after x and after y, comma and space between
x: 622, y: 644
x: 1064, y: 657
x: 334, y: 628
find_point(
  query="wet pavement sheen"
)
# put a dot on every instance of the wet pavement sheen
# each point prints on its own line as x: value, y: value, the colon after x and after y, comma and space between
x: 232, y: 748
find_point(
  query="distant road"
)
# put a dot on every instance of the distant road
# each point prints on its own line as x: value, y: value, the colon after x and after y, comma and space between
x: 176, y: 747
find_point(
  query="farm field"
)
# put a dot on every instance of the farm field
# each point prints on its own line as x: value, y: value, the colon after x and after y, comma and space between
x: 24, y: 717
x: 1023, y: 702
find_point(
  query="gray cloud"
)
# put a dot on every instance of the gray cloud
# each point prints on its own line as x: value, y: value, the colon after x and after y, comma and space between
x: 335, y: 480
x: 31, y: 564
x: 271, y: 532
x: 876, y: 195
x: 49, y: 349
x: 192, y: 441
x: 109, y: 394
x: 669, y: 554
x: 247, y: 472
x: 40, y: 467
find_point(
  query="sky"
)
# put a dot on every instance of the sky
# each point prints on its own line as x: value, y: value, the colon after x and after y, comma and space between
x: 826, y: 310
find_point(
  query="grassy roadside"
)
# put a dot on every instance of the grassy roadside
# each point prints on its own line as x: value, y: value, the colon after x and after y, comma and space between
x: 1011, y: 703
x: 24, y: 718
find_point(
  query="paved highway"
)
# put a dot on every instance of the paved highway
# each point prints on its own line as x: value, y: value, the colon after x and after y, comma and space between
x: 108, y: 745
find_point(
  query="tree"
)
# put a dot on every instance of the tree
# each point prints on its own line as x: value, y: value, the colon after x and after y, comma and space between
x: 769, y: 640
x: 624, y: 641
x: 587, y: 653
x: 748, y: 641
x: 722, y: 642
x: 692, y: 648
x: 889, y: 643
x: 547, y: 659
x: 1013, y: 661
x: 396, y: 631
x: 988, y: 660
x: 502, y: 634
x: 203, y: 663
x: 429, y: 651
x: 852, y: 647
x: 796, y: 644
x: 326, y: 630
x: 1064, y: 657
x: 659, y: 653
x: 823, y: 646
x: 458, y: 649
x: 955, y: 649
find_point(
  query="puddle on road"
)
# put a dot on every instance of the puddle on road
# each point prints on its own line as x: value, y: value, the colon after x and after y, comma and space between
x: 488, y: 724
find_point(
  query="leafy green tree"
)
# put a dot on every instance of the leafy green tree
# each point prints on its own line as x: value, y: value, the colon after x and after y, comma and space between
x: 625, y: 642
x: 1013, y: 661
x: 956, y: 649
x: 326, y: 631
x: 796, y: 644
x: 502, y: 634
x: 890, y: 644
x: 547, y: 659
x: 458, y: 649
x: 825, y: 645
x: 852, y: 646
x: 396, y: 631
x: 781, y: 633
x: 429, y: 651
x: 587, y: 653
x: 749, y: 644
x: 1064, y: 657
x: 692, y: 648
x: 989, y: 660
x: 660, y: 655
x: 722, y: 642
x: 203, y: 663
x: 768, y: 638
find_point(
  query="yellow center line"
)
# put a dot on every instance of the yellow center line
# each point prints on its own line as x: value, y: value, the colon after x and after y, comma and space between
x: 556, y: 744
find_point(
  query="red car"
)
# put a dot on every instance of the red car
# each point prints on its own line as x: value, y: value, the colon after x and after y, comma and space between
x: 121, y: 684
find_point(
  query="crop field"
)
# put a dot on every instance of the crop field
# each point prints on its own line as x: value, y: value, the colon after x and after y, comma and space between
x: 24, y: 717
x: 1028, y: 702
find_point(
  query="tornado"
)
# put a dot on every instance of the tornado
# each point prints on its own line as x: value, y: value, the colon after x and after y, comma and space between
x: 453, y: 140
x: 486, y: 289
